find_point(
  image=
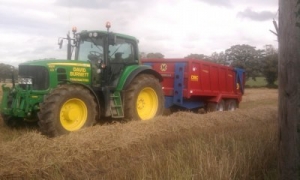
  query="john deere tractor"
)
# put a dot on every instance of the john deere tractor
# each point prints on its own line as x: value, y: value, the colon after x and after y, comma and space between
x: 102, y: 78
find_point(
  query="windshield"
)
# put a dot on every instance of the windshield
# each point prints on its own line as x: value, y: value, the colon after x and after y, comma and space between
x: 122, y: 51
x: 90, y: 47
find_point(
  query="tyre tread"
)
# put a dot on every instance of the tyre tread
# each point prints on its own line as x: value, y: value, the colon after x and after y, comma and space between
x: 48, y: 108
x: 130, y: 95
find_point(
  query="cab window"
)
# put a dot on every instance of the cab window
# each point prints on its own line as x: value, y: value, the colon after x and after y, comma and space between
x: 122, y: 51
x: 90, y: 46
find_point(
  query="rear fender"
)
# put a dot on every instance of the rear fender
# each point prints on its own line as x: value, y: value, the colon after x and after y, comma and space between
x: 132, y: 71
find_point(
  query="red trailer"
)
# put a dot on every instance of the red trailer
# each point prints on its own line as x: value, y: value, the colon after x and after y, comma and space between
x: 194, y: 84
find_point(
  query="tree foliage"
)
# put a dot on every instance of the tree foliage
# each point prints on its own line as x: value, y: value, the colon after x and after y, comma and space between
x: 246, y: 57
x: 219, y: 58
x: 156, y: 55
x: 197, y: 56
x: 270, y: 65
x: 143, y: 55
x: 6, y: 72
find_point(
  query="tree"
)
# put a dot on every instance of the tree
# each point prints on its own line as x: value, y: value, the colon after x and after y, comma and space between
x: 219, y: 58
x: 197, y: 56
x: 270, y: 65
x: 155, y: 55
x: 246, y: 57
x: 270, y: 68
x: 6, y: 72
x: 143, y: 55
x: 289, y: 89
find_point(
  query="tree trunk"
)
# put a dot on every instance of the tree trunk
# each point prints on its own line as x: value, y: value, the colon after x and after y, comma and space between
x: 289, y: 90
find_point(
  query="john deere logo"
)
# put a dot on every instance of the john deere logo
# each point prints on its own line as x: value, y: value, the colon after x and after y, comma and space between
x: 163, y: 67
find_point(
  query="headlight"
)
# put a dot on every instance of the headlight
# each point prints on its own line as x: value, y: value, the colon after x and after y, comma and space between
x: 25, y: 81
x: 95, y: 34
x: 90, y: 34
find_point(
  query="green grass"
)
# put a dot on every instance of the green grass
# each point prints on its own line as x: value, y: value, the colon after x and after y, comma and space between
x: 259, y: 82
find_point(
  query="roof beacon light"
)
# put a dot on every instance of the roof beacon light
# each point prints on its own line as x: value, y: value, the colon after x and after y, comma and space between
x: 74, y: 29
x: 108, y: 25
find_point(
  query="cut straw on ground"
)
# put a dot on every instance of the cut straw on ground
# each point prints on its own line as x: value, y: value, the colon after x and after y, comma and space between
x: 222, y: 145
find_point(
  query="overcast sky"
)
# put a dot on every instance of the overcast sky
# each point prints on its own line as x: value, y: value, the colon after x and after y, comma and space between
x: 176, y: 28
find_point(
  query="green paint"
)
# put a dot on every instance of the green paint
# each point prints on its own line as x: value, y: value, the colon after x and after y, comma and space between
x: 125, y: 74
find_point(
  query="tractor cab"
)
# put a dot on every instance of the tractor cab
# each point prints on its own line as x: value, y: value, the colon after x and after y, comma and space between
x: 107, y: 52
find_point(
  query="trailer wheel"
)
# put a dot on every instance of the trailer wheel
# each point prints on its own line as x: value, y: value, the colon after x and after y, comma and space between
x: 212, y: 106
x: 230, y: 105
x: 144, y: 98
x: 68, y: 108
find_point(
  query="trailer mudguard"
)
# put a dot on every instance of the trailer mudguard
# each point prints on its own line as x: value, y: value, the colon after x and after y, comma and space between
x: 240, y: 76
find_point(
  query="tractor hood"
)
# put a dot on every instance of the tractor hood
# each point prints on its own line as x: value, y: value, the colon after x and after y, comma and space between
x: 55, y: 62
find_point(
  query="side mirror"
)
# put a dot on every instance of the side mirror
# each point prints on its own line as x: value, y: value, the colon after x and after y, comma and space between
x: 60, y: 43
x: 112, y: 39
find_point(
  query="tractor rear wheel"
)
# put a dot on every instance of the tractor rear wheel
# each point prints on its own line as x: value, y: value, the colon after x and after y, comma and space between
x: 68, y: 108
x: 144, y: 98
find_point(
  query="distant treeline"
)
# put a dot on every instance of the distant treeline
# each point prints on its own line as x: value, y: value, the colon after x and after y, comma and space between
x: 6, y: 71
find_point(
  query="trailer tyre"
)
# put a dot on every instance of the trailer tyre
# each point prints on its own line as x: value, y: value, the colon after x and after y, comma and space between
x: 144, y: 98
x: 68, y: 108
x: 212, y: 106
x: 230, y: 105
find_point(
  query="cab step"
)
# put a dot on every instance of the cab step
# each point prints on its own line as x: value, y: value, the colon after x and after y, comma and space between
x: 116, y: 105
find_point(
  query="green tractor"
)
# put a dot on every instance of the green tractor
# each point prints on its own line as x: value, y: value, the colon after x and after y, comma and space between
x: 104, y: 79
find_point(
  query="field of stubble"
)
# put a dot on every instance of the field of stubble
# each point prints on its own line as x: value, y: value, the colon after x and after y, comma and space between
x: 220, y: 145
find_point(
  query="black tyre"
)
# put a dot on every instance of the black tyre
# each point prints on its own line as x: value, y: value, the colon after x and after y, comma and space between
x: 220, y: 106
x: 144, y: 98
x: 230, y: 105
x: 68, y: 108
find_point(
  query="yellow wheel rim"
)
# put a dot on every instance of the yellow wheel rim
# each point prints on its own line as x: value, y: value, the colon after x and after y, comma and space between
x: 147, y: 103
x: 73, y: 114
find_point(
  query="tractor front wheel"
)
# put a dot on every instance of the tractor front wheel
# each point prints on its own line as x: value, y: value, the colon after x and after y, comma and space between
x: 144, y: 98
x: 68, y: 108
